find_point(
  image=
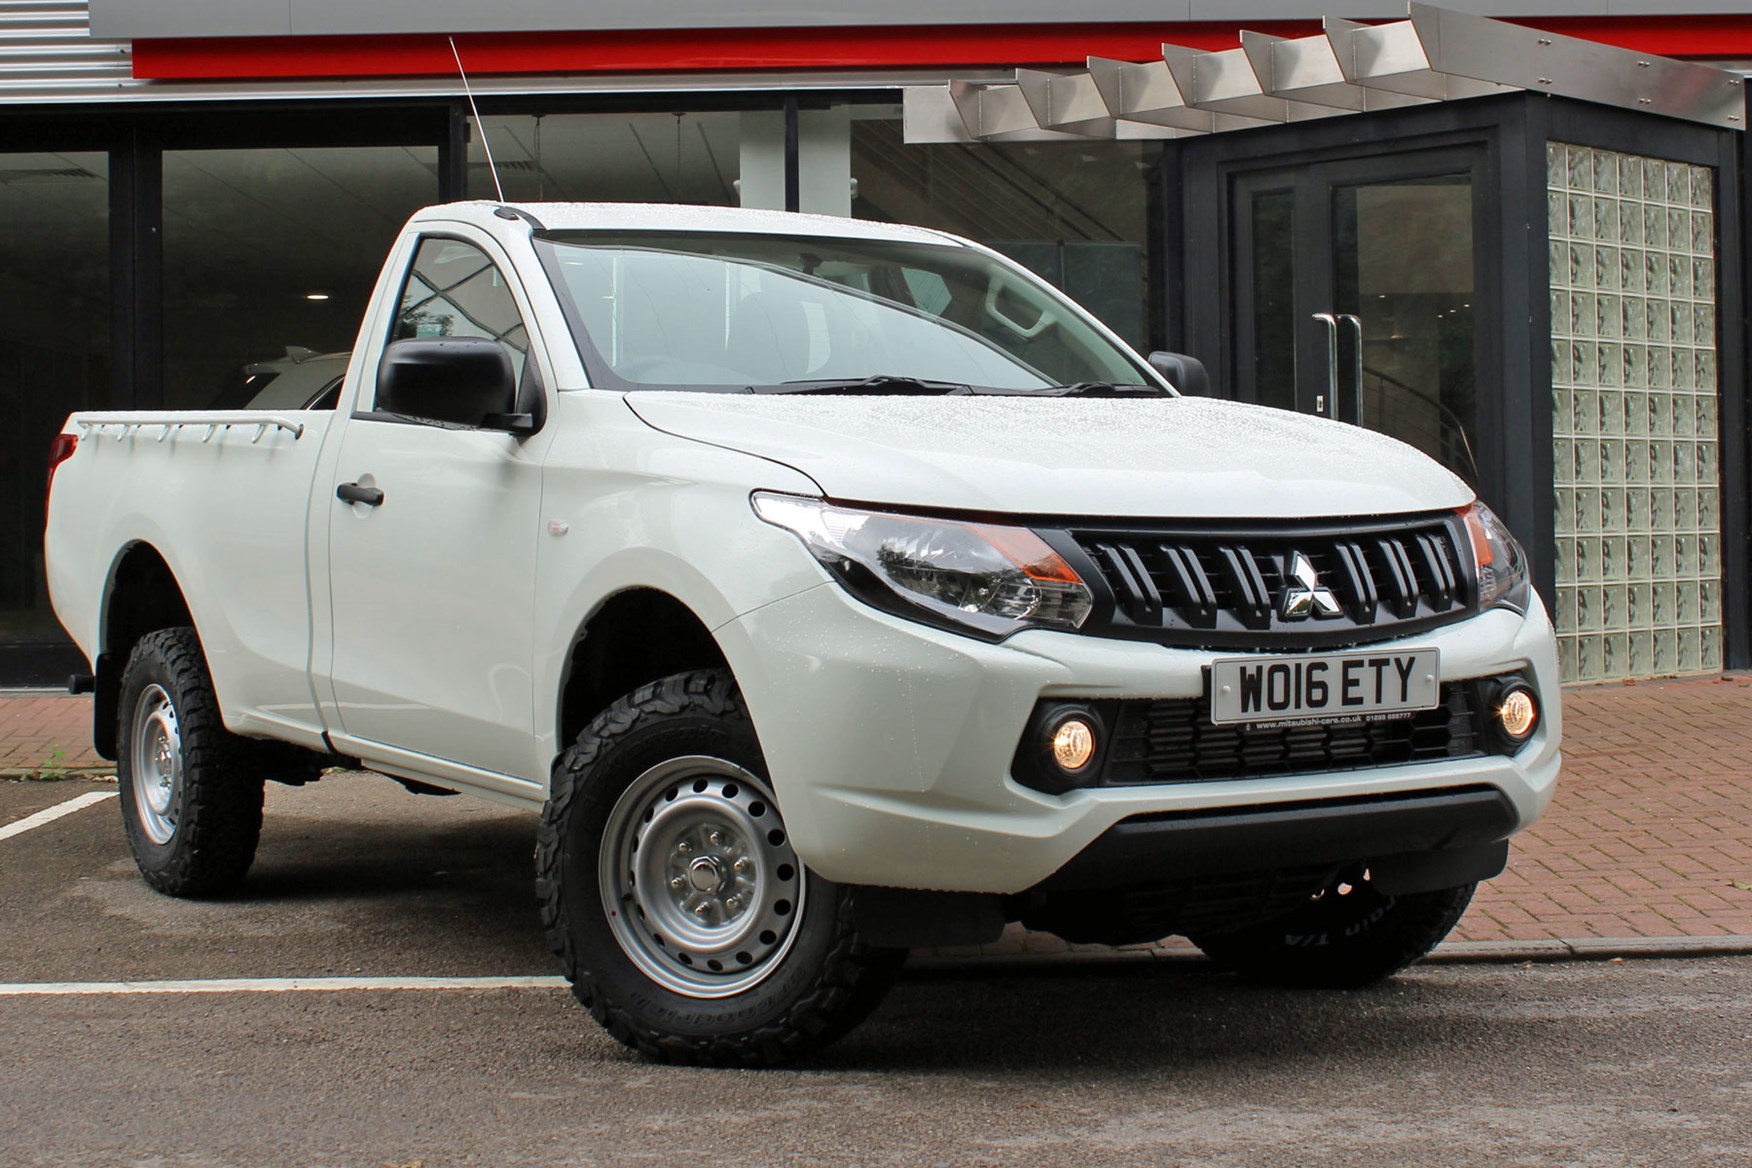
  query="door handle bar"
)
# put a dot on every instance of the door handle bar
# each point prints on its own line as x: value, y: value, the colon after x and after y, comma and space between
x: 1356, y: 323
x: 1331, y: 323
x: 354, y: 493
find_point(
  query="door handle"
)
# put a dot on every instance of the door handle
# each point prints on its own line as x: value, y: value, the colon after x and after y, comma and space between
x: 1331, y: 323
x: 1356, y: 323
x: 354, y: 493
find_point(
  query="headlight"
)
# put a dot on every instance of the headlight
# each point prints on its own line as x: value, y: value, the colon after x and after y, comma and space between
x: 1501, y: 564
x: 976, y: 578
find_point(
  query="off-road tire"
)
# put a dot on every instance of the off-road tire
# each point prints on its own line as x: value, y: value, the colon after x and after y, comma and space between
x: 818, y: 987
x: 1341, y: 939
x: 210, y: 817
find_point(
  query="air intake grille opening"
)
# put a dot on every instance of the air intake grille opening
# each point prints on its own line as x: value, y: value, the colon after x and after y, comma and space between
x: 1175, y: 742
x: 1288, y: 586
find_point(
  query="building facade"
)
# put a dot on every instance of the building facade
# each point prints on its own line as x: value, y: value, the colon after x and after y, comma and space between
x: 1515, y: 243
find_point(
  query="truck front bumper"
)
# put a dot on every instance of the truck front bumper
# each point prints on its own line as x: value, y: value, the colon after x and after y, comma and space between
x: 890, y: 743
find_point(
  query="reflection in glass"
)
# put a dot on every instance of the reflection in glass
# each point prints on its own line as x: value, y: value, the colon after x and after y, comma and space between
x: 1074, y: 215
x: 1274, y: 308
x: 610, y: 158
x: 269, y: 258
x: 54, y: 359
x: 722, y: 311
x: 1403, y: 252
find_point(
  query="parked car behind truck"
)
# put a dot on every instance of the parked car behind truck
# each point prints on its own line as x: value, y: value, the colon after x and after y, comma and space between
x: 833, y: 588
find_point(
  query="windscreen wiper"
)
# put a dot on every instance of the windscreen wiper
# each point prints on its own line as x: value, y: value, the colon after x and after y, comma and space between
x: 1095, y: 389
x: 883, y: 384
x: 880, y: 384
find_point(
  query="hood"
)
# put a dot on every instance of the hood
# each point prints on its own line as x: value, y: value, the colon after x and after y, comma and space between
x: 1096, y: 457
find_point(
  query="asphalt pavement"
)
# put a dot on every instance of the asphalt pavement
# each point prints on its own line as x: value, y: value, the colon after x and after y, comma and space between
x: 1074, y: 1061
x: 381, y: 996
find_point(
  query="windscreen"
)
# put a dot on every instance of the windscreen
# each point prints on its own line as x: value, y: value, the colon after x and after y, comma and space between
x: 731, y: 311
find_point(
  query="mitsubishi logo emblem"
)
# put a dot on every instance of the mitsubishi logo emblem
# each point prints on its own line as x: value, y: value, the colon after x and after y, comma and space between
x: 1303, y: 595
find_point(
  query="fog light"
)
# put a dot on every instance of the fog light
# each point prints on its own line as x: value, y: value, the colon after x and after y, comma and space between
x: 1518, y: 713
x: 1073, y: 744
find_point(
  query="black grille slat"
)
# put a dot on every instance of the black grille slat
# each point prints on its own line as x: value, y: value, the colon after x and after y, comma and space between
x: 1441, y: 572
x: 1225, y: 586
x: 1132, y: 582
x: 1401, y: 580
x: 1252, y: 598
x: 1189, y: 586
x: 1360, y: 583
x: 1175, y: 741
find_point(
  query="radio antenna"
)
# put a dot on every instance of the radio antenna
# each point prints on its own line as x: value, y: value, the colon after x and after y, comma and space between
x: 485, y: 145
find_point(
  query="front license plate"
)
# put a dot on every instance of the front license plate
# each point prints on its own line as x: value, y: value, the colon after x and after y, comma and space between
x: 1331, y: 687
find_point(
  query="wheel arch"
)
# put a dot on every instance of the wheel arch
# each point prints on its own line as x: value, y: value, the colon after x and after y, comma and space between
x: 141, y: 596
x: 635, y: 636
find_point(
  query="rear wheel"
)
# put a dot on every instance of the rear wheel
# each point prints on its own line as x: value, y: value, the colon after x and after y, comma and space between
x: 670, y: 891
x: 191, y: 812
x: 1349, y: 934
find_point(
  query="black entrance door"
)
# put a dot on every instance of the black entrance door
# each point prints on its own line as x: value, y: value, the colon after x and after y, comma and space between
x: 1352, y: 291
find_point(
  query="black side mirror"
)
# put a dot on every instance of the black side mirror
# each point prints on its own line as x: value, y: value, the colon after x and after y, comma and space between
x: 467, y: 381
x: 1187, y: 374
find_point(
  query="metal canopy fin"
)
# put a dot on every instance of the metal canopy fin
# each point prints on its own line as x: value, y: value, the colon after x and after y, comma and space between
x: 1222, y: 82
x: 1395, y: 58
x: 1067, y: 101
x: 1000, y: 113
x: 1148, y: 93
x: 929, y: 115
x: 1036, y: 88
x: 1433, y: 55
x: 1109, y: 78
x: 1307, y: 69
x: 1258, y: 48
x: 1460, y: 45
x: 1338, y: 35
x: 965, y: 97
x: 1225, y: 82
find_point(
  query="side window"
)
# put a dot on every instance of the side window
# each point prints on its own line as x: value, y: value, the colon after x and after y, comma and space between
x: 454, y: 290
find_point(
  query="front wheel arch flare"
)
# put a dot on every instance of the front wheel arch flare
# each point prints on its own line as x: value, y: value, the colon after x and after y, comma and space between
x: 634, y: 637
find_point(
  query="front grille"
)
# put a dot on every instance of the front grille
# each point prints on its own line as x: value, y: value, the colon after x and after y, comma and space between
x: 1235, y: 587
x: 1175, y: 742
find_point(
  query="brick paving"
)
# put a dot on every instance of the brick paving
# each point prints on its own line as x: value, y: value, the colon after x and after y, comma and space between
x: 1650, y: 835
x: 46, y: 734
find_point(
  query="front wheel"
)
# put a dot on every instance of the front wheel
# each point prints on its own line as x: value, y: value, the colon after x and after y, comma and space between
x: 191, y: 811
x: 670, y: 891
x: 1348, y: 935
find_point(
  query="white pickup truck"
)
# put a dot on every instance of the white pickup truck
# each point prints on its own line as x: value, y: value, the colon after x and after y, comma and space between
x: 833, y: 588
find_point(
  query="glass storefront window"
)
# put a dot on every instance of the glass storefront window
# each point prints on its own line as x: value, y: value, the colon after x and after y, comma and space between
x: 1074, y: 213
x: 269, y: 258
x: 54, y: 359
x: 1403, y: 254
x: 610, y: 158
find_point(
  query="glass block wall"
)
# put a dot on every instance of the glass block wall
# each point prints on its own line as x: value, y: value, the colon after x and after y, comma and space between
x: 1633, y: 356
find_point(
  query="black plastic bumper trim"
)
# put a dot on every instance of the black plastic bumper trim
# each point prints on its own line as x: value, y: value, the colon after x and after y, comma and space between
x: 1151, y: 849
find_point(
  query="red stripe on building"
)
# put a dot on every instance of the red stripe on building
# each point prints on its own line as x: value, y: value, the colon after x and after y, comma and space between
x: 426, y: 55
x: 969, y: 46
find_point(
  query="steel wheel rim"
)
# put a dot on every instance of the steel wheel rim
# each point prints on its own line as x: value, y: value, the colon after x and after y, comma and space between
x: 157, y: 764
x: 699, y: 882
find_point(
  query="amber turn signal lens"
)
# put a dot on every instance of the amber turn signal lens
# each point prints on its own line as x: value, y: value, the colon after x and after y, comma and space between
x: 1519, y: 713
x: 1073, y: 744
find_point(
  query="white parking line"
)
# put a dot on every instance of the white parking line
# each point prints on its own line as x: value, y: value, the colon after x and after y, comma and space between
x: 19, y: 827
x: 274, y: 985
